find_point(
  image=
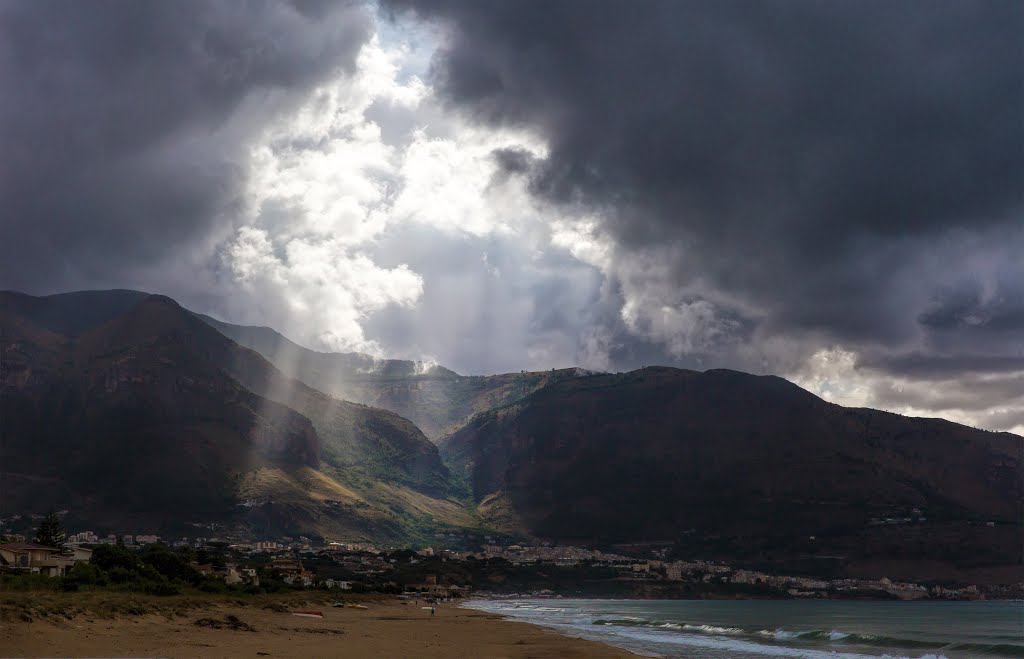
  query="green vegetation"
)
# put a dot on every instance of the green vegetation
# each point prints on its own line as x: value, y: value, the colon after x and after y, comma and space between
x: 38, y: 604
x: 156, y: 570
x: 332, y: 502
x: 50, y: 532
x: 229, y: 425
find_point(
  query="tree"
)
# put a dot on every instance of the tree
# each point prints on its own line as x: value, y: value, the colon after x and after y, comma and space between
x: 50, y: 532
x: 110, y: 557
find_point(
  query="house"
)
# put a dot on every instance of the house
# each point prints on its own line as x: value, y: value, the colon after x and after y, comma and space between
x: 34, y: 559
x: 431, y: 587
x: 334, y: 583
x: 434, y: 589
x: 284, y: 567
x: 291, y: 571
x: 81, y: 554
x: 303, y: 578
x: 232, y: 575
x: 205, y: 569
x: 249, y: 576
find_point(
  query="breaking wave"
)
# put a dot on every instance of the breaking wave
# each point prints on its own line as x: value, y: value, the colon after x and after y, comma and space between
x: 843, y: 631
x: 832, y: 638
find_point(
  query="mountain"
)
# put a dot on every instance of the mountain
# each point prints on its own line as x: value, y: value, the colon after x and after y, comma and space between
x: 727, y: 464
x: 126, y: 406
x: 95, y: 423
x: 70, y: 313
x: 135, y: 413
x: 435, y: 398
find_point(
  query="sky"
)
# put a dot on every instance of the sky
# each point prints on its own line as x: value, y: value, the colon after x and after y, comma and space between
x: 828, y: 191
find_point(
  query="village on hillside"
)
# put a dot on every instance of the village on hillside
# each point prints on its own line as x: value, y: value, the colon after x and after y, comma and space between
x: 490, y: 567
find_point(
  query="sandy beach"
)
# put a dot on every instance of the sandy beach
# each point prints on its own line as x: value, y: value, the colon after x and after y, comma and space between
x: 386, y: 628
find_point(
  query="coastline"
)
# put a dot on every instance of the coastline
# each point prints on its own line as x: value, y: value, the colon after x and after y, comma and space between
x: 386, y: 627
x: 610, y: 644
x: 806, y: 628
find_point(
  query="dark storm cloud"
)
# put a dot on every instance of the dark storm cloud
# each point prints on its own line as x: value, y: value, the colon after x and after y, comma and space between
x: 514, y: 161
x: 123, y: 124
x: 809, y: 158
x: 970, y: 393
x: 969, y: 311
x: 930, y: 367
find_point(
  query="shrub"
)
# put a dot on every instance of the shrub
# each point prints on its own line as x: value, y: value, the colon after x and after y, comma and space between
x: 122, y: 575
x: 28, y: 582
x: 109, y: 557
x: 87, y: 574
x: 161, y: 588
x: 170, y: 564
x: 213, y: 586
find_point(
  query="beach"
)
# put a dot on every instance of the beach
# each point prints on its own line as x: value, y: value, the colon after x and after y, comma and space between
x: 385, y: 628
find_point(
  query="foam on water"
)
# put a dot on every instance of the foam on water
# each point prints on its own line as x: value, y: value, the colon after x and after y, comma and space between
x: 867, y: 630
x: 733, y: 646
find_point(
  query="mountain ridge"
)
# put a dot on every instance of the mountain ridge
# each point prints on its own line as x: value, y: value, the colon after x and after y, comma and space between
x: 751, y: 465
x: 720, y: 463
x: 149, y: 357
x: 437, y: 399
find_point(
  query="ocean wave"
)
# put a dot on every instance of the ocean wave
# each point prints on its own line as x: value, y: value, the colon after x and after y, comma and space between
x: 630, y: 621
x: 661, y: 631
x: 997, y: 649
x: 747, y: 646
x: 837, y: 637
x: 712, y: 629
x: 778, y: 634
x: 821, y: 637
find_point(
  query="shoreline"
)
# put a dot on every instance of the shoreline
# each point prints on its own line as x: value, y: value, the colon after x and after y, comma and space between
x: 868, y: 628
x: 559, y: 630
x: 235, y: 628
x: 729, y: 598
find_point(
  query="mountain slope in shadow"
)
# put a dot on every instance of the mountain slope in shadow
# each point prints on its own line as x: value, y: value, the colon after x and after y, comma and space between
x: 728, y: 464
x: 435, y: 398
x: 136, y: 409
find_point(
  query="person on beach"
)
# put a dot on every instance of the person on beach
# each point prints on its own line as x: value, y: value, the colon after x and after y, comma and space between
x: 431, y: 610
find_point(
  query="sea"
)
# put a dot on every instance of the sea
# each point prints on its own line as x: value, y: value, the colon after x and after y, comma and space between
x: 753, y: 629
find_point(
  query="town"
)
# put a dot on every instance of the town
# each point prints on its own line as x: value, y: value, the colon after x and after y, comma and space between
x: 213, y: 562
